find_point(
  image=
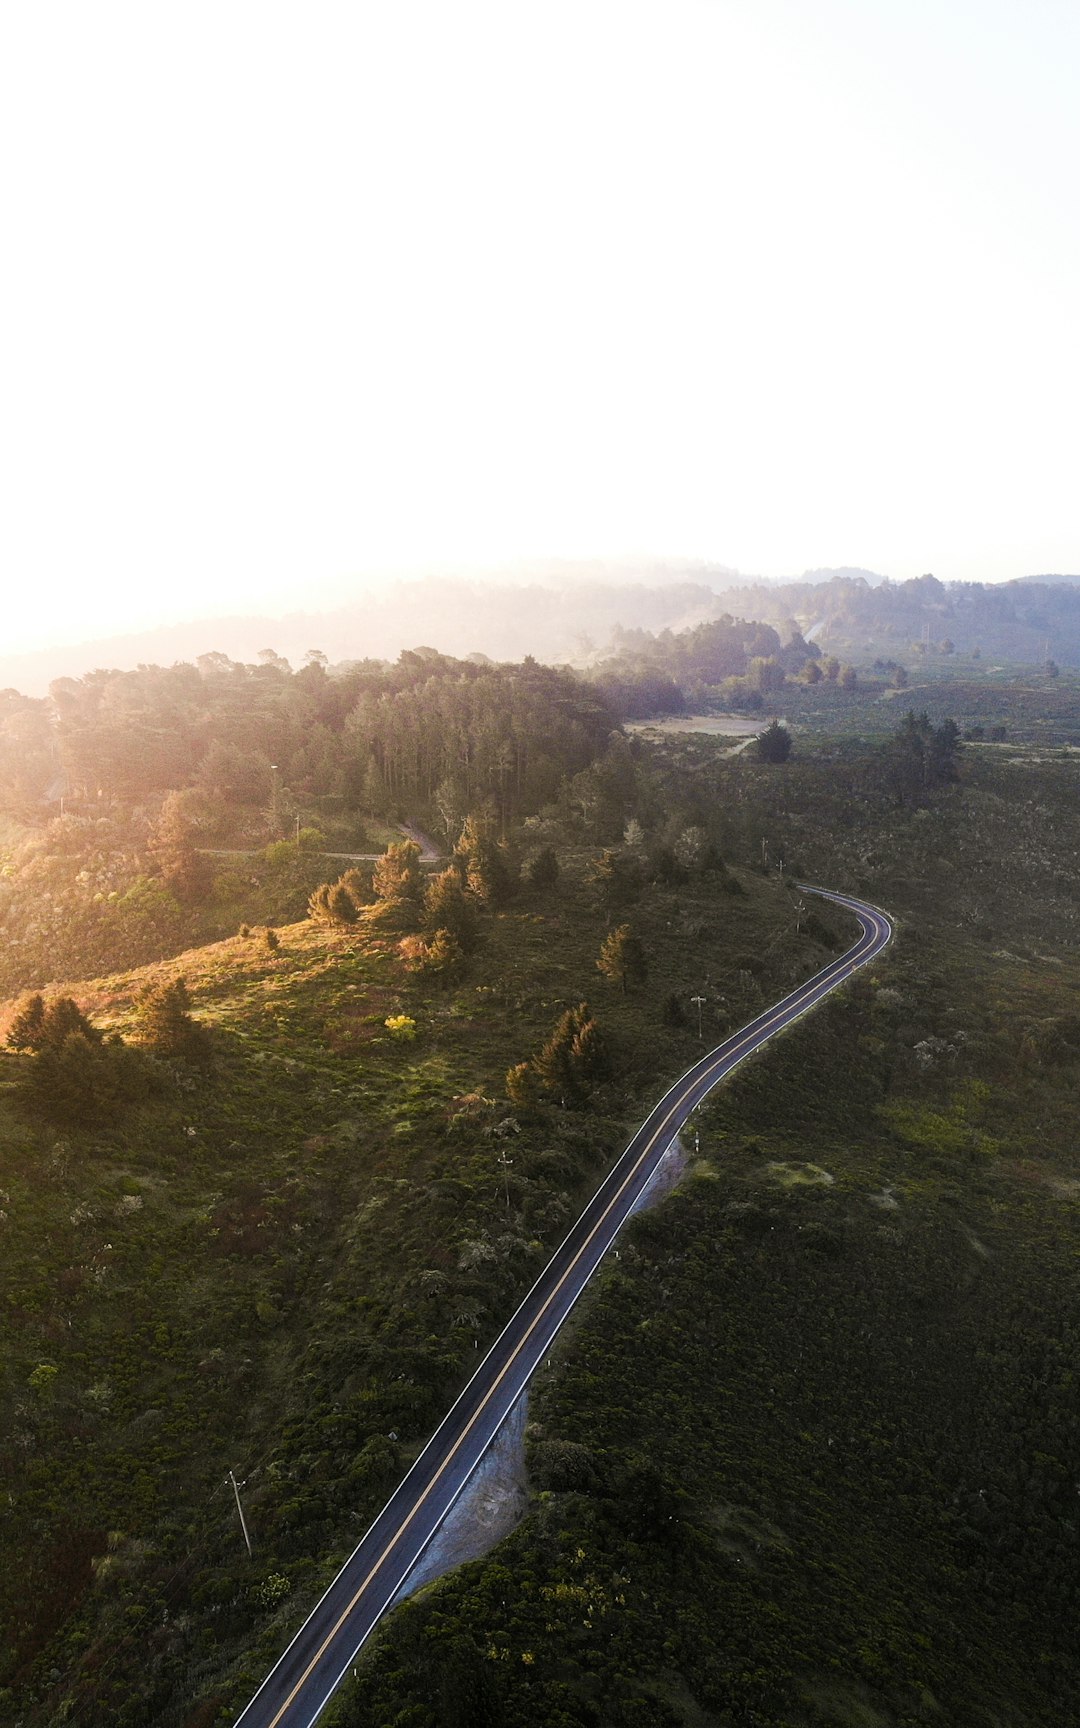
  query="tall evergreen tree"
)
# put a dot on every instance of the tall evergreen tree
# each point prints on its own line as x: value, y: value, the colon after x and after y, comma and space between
x: 166, y: 1025
x: 396, y: 880
x: 341, y: 905
x: 447, y: 906
x: 572, y: 1057
x: 543, y: 869
x: 27, y: 1030
x: 484, y: 862
x: 774, y: 744
x: 622, y: 958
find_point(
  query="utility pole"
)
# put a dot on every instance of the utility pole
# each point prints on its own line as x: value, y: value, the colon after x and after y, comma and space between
x: 699, y: 1002
x: 240, y: 1509
x: 506, y: 1163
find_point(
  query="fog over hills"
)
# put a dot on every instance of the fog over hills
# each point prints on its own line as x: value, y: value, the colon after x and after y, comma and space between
x: 558, y: 611
x: 567, y: 612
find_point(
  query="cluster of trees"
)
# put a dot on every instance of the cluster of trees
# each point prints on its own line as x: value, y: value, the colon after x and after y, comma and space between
x: 677, y: 850
x: 341, y: 902
x: 566, y: 1066
x: 458, y: 734
x: 77, y: 1072
x: 921, y: 757
x: 441, y: 914
x: 733, y: 660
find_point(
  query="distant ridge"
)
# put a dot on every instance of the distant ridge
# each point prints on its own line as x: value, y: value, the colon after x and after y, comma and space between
x: 566, y: 618
x: 1053, y: 581
x: 842, y: 572
x: 567, y: 611
x: 1025, y: 622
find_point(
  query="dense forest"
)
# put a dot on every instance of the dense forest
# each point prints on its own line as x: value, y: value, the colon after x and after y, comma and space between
x: 382, y: 734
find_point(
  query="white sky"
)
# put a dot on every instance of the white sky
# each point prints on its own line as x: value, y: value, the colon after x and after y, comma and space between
x: 294, y: 292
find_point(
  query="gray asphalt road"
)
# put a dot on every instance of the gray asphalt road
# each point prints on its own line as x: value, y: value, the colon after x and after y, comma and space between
x: 305, y: 1677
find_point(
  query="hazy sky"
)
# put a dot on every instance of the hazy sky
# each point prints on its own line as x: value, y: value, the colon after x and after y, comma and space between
x: 291, y: 292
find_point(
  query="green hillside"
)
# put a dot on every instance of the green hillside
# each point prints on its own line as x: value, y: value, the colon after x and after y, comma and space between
x: 284, y: 1262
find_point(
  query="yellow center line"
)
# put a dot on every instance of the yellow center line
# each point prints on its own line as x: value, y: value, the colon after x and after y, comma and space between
x: 753, y: 1037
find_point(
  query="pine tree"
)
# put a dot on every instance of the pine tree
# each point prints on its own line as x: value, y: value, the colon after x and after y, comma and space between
x: 588, y: 1053
x: 396, y: 879
x: 440, y: 956
x: 44, y: 1028
x: 186, y: 872
x: 319, y: 903
x: 448, y: 907
x: 622, y: 958
x: 27, y: 1030
x: 543, y: 871
x: 486, y: 864
x: 774, y: 744
x: 553, y: 1065
x: 339, y: 902
x: 166, y: 1025
x: 340, y: 905
x: 359, y: 884
x: 571, y: 1057
x: 523, y: 1085
x: 84, y: 1078
x: 444, y: 955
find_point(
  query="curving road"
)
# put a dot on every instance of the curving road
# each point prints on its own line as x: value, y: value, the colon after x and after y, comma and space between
x: 305, y: 1677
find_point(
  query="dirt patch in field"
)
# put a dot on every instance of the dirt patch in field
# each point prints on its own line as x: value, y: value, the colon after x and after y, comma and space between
x: 711, y: 725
